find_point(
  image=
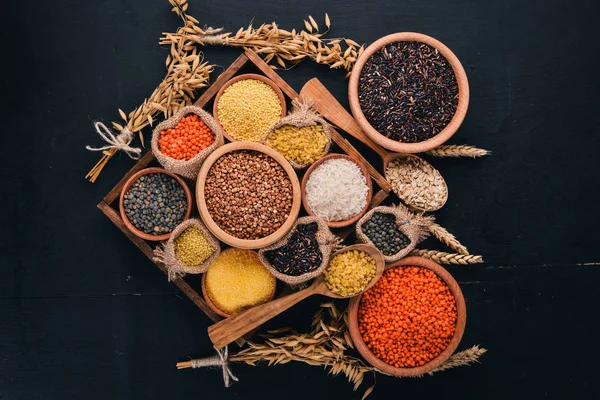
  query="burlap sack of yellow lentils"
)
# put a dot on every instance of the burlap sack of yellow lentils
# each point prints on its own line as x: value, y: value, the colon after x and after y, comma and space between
x: 414, y: 226
x: 303, y: 114
x: 186, y: 168
x: 166, y: 253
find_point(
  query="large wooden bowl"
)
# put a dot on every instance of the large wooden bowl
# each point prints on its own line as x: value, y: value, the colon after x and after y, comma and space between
x: 212, y: 225
x: 444, y: 355
x: 128, y: 185
x: 441, y: 137
x: 214, y: 307
x: 258, y: 77
x: 338, y: 224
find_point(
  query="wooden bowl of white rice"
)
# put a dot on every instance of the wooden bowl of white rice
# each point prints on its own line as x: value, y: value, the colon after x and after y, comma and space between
x: 338, y: 189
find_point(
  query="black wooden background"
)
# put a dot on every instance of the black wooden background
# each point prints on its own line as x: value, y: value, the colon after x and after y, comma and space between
x: 84, y: 315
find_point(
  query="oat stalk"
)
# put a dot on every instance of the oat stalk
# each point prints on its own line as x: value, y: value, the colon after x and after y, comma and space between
x: 458, y: 151
x: 186, y: 73
x: 448, y: 258
x: 326, y: 345
x: 279, y: 48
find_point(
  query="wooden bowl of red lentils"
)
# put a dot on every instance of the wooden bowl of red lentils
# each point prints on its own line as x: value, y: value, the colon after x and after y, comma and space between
x: 248, y: 195
x: 247, y: 106
x: 411, y: 321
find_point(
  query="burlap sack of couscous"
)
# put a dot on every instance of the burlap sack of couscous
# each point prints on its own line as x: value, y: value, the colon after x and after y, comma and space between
x: 303, y: 115
x: 186, y: 168
x: 166, y: 253
x: 414, y: 226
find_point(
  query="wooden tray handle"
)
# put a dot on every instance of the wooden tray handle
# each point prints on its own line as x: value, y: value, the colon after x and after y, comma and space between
x: 233, y: 328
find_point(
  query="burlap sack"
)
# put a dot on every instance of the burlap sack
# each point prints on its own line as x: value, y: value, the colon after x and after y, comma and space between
x: 190, y: 168
x: 303, y: 114
x: 414, y: 226
x: 165, y: 253
x: 327, y: 241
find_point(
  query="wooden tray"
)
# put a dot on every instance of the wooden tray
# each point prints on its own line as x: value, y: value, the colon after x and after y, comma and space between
x: 191, y: 284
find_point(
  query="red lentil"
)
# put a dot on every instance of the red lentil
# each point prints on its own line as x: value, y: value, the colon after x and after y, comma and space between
x: 408, y: 317
x: 188, y: 138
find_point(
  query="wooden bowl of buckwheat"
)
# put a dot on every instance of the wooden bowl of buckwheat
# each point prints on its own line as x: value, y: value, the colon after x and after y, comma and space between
x: 248, y: 195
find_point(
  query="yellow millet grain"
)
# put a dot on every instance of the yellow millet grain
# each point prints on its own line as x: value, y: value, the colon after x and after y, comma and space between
x: 349, y: 273
x: 192, y: 247
x: 303, y: 145
x: 237, y: 280
x: 247, y: 109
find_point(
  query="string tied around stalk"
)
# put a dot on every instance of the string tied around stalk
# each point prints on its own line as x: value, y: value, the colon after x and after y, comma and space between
x: 219, y: 360
x: 121, y: 141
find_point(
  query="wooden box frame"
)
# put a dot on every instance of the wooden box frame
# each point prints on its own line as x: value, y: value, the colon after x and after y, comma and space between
x: 109, y: 204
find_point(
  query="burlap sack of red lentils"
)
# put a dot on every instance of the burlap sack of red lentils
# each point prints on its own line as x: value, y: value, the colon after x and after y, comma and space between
x: 186, y: 168
x: 303, y: 114
x: 328, y: 243
x: 166, y: 255
x: 414, y: 226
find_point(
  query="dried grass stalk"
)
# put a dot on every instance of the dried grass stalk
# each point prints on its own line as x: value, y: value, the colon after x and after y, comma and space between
x: 448, y: 258
x: 186, y: 73
x: 458, y: 151
x: 465, y: 357
x: 279, y: 48
x: 447, y: 238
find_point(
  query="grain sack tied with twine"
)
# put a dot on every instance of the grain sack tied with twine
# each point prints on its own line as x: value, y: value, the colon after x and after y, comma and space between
x: 186, y: 168
x: 302, y: 115
x: 414, y: 226
x: 327, y: 243
x: 166, y: 253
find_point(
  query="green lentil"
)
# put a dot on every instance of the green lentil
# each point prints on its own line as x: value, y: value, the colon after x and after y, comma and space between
x: 303, y: 145
x: 247, y: 109
x: 192, y: 247
x: 349, y: 273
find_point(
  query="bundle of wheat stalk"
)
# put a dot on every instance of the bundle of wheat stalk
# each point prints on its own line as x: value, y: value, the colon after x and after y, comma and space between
x: 326, y: 345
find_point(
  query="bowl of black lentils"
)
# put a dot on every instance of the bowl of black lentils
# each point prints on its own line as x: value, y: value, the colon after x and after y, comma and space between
x: 153, y: 202
x: 408, y: 92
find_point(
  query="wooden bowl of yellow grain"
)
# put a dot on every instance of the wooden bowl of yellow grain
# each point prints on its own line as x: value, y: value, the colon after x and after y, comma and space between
x: 254, y: 119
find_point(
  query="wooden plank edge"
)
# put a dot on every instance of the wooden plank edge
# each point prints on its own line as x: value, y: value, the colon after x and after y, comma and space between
x: 148, y: 252
x: 226, y: 75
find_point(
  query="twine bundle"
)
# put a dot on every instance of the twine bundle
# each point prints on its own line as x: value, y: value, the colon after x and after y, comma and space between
x: 186, y: 168
x: 303, y: 114
x: 328, y: 243
x: 165, y: 254
x: 414, y: 226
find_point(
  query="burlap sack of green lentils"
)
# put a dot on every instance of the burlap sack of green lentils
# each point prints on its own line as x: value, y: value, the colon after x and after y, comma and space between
x: 303, y: 114
x: 414, y: 226
x: 186, y: 168
x: 166, y: 253
x: 328, y: 243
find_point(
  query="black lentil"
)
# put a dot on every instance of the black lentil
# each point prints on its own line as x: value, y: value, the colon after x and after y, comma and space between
x: 381, y: 229
x: 301, y: 253
x: 155, y: 204
x: 408, y: 91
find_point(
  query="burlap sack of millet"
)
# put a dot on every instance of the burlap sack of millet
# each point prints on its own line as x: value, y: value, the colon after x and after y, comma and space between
x: 166, y: 253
